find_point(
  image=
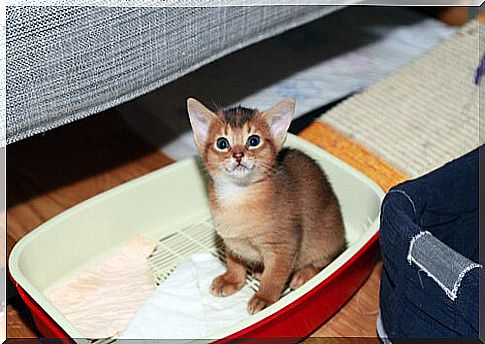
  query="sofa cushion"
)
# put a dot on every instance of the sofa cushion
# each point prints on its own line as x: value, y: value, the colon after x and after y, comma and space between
x: 65, y: 63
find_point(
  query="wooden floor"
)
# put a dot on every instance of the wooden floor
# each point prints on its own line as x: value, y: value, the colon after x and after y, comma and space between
x: 49, y: 173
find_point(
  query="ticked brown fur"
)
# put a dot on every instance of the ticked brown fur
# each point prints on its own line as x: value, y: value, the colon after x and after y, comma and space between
x: 273, y: 207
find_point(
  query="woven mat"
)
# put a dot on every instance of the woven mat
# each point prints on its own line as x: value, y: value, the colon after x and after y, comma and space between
x: 413, y: 121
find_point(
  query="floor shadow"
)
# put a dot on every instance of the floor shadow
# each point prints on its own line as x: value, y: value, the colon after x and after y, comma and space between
x: 229, y: 79
x: 69, y: 153
x: 23, y: 318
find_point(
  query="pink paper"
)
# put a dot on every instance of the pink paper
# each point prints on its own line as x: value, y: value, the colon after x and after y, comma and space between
x: 101, y: 301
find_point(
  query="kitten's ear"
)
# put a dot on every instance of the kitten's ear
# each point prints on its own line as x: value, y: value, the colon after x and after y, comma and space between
x: 200, y: 119
x: 279, y: 118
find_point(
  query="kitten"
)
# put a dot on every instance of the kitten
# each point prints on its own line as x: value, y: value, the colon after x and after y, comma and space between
x: 273, y: 207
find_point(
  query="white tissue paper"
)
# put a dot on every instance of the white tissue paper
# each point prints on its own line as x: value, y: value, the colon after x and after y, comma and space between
x: 182, y: 306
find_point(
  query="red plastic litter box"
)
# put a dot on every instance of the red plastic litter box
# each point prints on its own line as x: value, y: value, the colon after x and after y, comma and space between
x: 171, y: 201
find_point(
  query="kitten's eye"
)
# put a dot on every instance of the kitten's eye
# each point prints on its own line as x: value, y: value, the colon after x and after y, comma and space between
x: 253, y: 141
x: 222, y: 143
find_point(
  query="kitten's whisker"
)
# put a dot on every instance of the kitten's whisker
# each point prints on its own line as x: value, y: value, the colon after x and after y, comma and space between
x: 270, y: 168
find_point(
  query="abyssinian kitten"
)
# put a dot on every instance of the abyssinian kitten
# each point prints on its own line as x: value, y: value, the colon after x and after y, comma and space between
x: 273, y: 207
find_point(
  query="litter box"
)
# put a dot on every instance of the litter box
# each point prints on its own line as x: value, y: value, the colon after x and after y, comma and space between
x: 171, y: 206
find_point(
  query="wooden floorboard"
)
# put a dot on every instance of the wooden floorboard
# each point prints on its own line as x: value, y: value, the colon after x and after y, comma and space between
x: 49, y: 173
x: 358, y: 317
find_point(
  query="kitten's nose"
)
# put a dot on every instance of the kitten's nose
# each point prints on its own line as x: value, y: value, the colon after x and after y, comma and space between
x: 238, y: 156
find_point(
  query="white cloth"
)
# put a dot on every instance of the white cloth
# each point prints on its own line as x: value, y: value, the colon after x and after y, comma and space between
x: 182, y: 306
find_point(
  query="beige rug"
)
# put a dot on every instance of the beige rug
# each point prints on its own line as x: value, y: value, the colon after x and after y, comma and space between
x: 420, y: 116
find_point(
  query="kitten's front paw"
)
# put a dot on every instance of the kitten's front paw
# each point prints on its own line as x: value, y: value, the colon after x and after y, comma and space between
x: 257, y: 303
x: 224, y: 285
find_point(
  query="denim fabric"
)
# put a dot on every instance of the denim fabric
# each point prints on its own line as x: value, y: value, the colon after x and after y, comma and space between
x: 446, y: 266
x: 415, y: 297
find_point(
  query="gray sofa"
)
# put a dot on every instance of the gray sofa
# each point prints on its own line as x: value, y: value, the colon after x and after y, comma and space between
x: 66, y: 63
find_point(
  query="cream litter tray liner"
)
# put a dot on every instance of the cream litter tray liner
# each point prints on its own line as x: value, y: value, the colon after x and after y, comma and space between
x: 170, y: 206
